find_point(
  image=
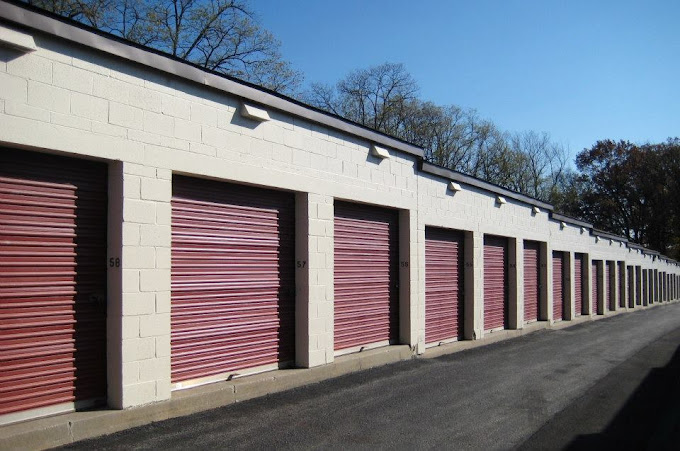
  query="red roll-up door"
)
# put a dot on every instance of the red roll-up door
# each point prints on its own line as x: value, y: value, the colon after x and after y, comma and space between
x: 366, y: 275
x: 53, y: 219
x: 495, y: 282
x: 638, y: 284
x: 233, y: 281
x: 631, y: 293
x: 443, y: 284
x: 622, y: 285
x: 531, y: 280
x: 609, y: 292
x: 558, y: 286
x: 594, y: 288
x: 578, y: 284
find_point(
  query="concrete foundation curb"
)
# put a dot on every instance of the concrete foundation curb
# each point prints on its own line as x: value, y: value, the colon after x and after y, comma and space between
x: 72, y: 427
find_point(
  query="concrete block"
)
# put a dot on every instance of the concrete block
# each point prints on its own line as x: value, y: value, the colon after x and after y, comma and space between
x: 155, y: 235
x: 145, y: 99
x: 163, y: 303
x: 72, y: 78
x: 202, y: 114
x: 163, y: 346
x: 154, y: 369
x: 138, y: 394
x: 25, y: 111
x: 32, y: 67
x: 214, y: 137
x: 163, y: 213
x: 130, y: 373
x: 154, y: 189
x: 69, y: 120
x: 140, y: 211
x: 204, y: 150
x: 138, y: 257
x: 130, y: 327
x: 111, y: 89
x: 108, y: 129
x: 163, y: 390
x: 48, y: 97
x: 125, y: 116
x: 154, y: 280
x: 175, y: 107
x: 163, y: 257
x: 154, y: 325
x: 138, y: 304
x: 136, y: 349
x: 187, y: 130
x: 158, y: 124
x: 130, y: 280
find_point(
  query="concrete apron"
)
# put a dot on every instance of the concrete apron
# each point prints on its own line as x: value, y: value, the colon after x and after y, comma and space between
x: 71, y: 427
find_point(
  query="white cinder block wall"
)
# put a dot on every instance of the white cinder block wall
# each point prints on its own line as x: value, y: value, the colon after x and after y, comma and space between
x: 149, y: 125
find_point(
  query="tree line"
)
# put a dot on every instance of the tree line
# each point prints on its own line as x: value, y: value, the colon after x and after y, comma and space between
x: 629, y: 189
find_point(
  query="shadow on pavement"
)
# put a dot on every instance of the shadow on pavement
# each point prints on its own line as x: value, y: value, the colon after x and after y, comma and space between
x: 650, y: 419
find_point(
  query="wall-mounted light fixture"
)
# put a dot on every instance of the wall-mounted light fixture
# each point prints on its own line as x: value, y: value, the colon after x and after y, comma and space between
x: 254, y: 113
x: 562, y: 225
x: 500, y: 200
x: 17, y: 40
x: 597, y: 239
x: 583, y: 230
x: 536, y: 210
x: 455, y: 187
x: 379, y: 152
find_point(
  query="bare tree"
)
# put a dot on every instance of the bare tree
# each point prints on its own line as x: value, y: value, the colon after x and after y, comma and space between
x: 220, y: 35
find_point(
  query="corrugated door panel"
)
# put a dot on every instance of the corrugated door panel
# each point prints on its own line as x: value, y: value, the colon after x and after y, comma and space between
x: 233, y: 281
x: 366, y: 275
x: 53, y: 223
x: 645, y: 287
x: 608, y: 289
x: 443, y: 284
x: 594, y: 288
x: 495, y: 282
x: 558, y: 286
x: 622, y: 285
x: 531, y: 280
x: 578, y: 284
x: 638, y: 283
x: 631, y: 293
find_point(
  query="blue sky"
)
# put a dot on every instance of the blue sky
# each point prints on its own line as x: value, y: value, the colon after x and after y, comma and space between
x: 579, y: 70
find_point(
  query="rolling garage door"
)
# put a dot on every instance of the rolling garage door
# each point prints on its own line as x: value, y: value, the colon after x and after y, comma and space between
x: 638, y: 285
x: 631, y: 287
x: 53, y: 219
x: 594, y: 288
x: 579, y: 261
x: 558, y: 286
x: 366, y: 276
x: 609, y: 292
x: 531, y: 280
x: 622, y: 284
x: 495, y: 282
x: 233, y: 281
x: 645, y: 287
x: 443, y: 284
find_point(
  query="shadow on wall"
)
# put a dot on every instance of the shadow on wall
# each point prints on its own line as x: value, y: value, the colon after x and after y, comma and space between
x: 650, y: 419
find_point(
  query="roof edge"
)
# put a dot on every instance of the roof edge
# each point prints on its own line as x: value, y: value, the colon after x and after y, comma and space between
x: 570, y: 220
x: 151, y: 58
x: 481, y: 184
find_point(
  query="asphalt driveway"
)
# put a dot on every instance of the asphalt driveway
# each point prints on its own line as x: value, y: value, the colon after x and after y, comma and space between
x: 614, y: 382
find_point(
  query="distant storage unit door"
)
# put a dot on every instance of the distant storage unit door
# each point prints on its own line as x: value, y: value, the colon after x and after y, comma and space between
x: 495, y: 282
x: 53, y: 219
x: 365, y: 276
x: 558, y: 286
x: 622, y: 284
x: 531, y: 280
x: 594, y: 288
x: 443, y: 284
x: 645, y: 287
x: 233, y: 278
x: 638, y: 286
x: 631, y: 286
x: 578, y: 284
x: 607, y: 287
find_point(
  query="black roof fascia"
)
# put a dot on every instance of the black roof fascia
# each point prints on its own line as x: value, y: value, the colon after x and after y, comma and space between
x: 570, y: 220
x: 610, y: 236
x: 86, y: 36
x: 481, y: 184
